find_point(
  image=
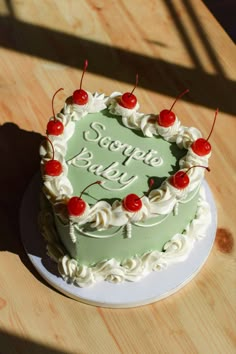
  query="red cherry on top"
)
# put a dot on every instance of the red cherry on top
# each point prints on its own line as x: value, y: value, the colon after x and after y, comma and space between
x: 180, y: 179
x: 132, y: 202
x: 52, y: 167
x: 76, y: 205
x: 201, y: 146
x: 128, y: 99
x: 166, y: 117
x: 55, y: 126
x: 80, y: 96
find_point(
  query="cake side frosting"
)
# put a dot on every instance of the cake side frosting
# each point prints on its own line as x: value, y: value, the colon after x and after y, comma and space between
x: 134, y: 268
x: 93, y: 245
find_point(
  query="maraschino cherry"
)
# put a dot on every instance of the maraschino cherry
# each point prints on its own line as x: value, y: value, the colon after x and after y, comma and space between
x: 76, y: 205
x: 128, y: 99
x: 80, y: 96
x: 55, y: 126
x: 201, y: 146
x: 180, y: 179
x: 132, y: 202
x: 166, y: 117
x: 52, y: 167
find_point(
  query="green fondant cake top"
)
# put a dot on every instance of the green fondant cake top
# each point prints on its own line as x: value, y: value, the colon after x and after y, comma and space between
x: 123, y: 159
x: 125, y: 149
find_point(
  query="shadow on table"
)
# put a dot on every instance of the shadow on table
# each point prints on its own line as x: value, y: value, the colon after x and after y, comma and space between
x: 10, y: 344
x: 19, y: 151
x: 224, y: 11
x: 207, y: 89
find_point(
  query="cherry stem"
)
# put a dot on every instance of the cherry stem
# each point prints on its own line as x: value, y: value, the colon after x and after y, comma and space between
x: 84, y: 69
x: 136, y: 84
x: 216, y: 112
x: 177, y: 98
x: 53, y: 151
x: 54, y: 116
x: 97, y: 182
x: 186, y: 172
x: 151, y: 183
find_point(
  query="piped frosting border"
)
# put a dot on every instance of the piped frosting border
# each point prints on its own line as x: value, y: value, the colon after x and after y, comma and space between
x: 132, y: 269
x: 101, y: 215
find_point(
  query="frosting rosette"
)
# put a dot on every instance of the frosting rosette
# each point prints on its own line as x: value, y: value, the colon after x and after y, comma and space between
x: 170, y: 133
x: 115, y: 108
x: 96, y: 103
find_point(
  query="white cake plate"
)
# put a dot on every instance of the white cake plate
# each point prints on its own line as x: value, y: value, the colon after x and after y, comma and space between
x: 154, y: 287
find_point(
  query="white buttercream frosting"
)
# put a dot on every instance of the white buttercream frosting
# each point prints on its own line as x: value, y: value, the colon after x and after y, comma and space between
x: 160, y: 201
x: 115, y: 108
x: 96, y: 103
x: 131, y: 269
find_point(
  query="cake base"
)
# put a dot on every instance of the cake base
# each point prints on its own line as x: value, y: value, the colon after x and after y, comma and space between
x: 154, y: 287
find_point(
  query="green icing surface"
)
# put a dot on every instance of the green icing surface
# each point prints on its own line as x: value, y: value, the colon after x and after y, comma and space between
x: 89, y: 250
x: 155, y: 232
x: 107, y: 125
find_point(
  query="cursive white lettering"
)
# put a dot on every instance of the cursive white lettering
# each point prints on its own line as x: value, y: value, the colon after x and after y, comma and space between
x: 96, y: 126
x: 84, y: 156
x: 133, y: 153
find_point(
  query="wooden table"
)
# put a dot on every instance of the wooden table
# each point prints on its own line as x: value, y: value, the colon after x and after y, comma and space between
x: 172, y: 45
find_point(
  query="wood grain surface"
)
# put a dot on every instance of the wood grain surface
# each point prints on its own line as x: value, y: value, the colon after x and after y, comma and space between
x: 172, y: 45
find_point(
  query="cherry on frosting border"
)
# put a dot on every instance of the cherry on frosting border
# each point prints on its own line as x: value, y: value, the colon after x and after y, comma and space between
x: 185, y: 162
